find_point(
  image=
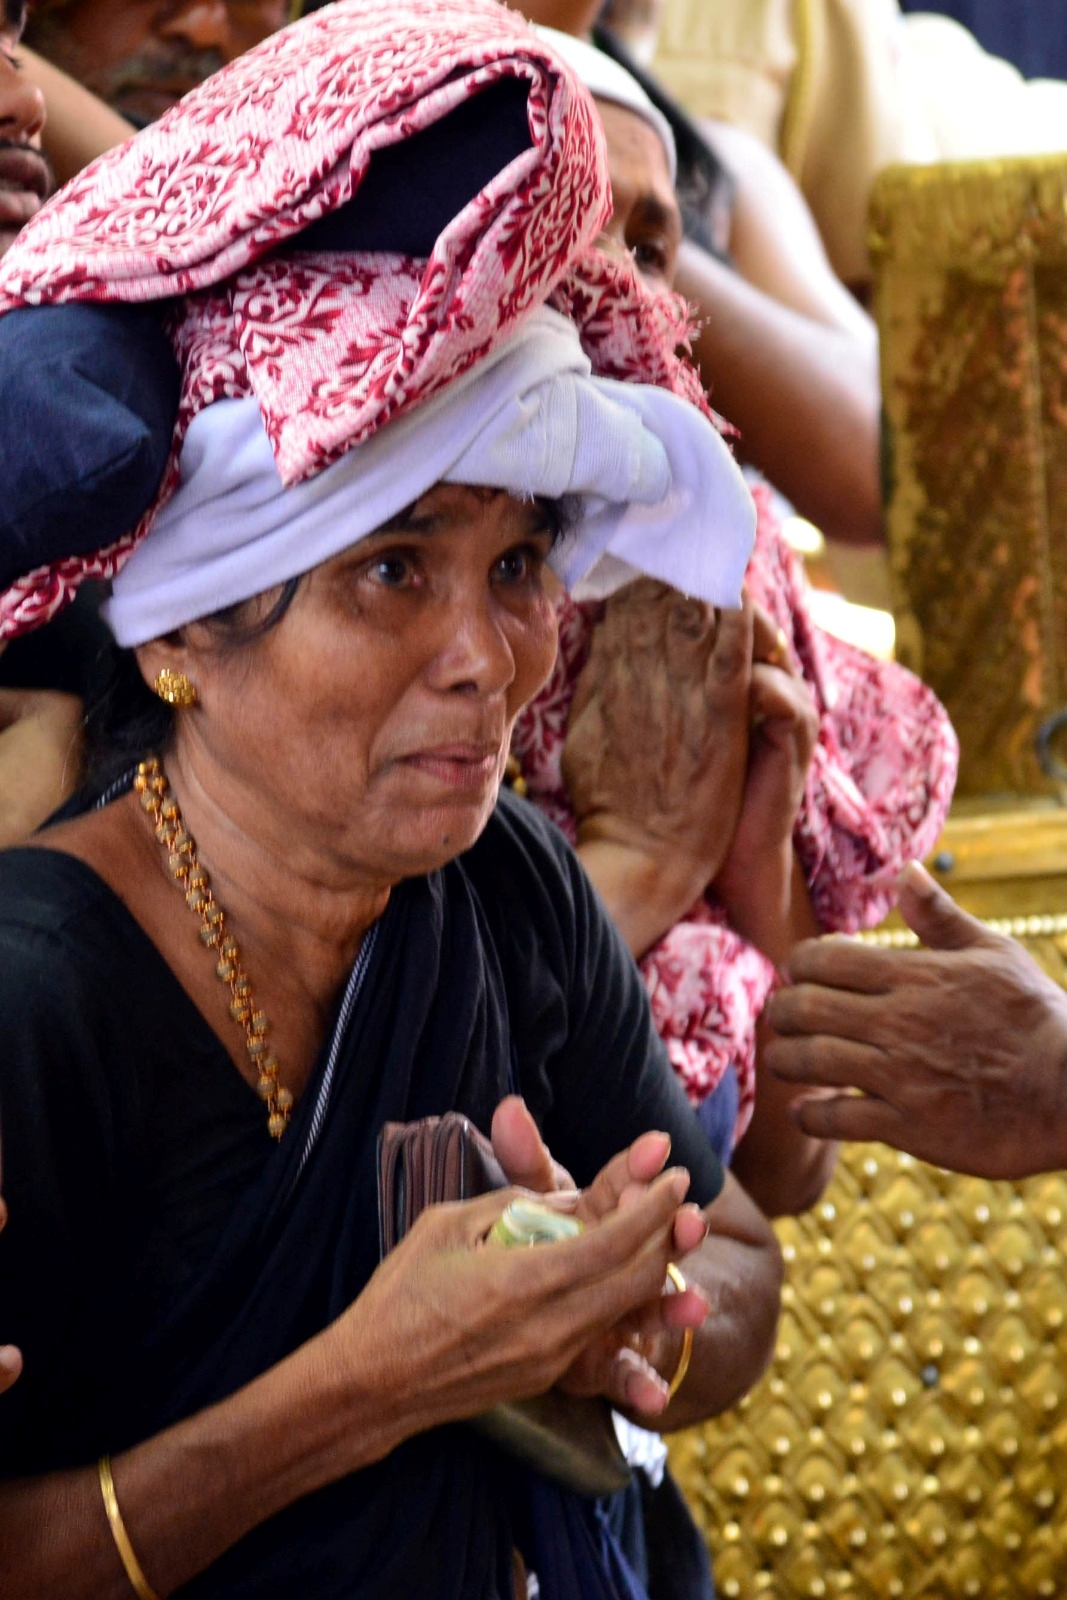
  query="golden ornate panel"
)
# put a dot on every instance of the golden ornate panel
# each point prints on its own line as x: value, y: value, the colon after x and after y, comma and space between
x: 909, y: 1441
x: 971, y: 297
x: 910, y: 1437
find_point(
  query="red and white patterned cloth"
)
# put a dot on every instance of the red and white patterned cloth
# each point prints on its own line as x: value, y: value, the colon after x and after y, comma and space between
x: 878, y: 790
x: 207, y: 204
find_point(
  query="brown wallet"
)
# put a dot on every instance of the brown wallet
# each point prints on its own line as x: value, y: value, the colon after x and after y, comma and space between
x: 423, y: 1163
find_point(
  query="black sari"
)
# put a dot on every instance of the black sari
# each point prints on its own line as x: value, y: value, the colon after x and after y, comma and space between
x: 162, y: 1251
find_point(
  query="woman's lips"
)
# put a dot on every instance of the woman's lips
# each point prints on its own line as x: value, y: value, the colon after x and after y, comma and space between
x: 460, y: 766
x: 24, y: 171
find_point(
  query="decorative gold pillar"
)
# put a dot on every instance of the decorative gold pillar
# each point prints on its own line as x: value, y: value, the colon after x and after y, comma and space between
x: 971, y: 297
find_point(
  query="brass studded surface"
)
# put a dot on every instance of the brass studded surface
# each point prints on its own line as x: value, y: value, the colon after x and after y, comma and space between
x: 910, y: 1437
x: 971, y: 298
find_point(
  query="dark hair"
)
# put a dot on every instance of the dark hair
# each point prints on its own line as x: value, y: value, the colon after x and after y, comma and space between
x: 14, y: 16
x: 125, y: 721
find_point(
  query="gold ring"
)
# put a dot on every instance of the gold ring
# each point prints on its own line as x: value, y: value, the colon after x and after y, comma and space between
x: 780, y: 651
x: 676, y: 1278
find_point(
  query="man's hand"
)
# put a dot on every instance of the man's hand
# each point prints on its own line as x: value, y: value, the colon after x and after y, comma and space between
x: 40, y: 758
x: 956, y: 1053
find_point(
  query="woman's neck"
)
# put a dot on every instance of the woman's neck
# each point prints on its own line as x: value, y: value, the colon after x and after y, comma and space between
x: 299, y: 911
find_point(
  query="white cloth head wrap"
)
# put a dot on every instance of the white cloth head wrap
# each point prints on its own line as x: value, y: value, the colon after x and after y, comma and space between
x: 608, y: 80
x: 661, y: 493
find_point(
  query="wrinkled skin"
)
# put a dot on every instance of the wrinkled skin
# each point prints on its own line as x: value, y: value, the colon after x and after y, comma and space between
x: 658, y: 735
x: 956, y: 1053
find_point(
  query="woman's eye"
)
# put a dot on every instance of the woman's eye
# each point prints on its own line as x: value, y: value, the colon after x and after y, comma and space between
x: 391, y: 571
x: 520, y: 565
x: 650, y: 256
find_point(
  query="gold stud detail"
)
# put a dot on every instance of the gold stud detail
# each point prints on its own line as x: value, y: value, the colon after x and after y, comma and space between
x: 175, y: 688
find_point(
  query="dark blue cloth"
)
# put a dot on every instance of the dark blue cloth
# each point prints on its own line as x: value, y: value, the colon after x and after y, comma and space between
x: 1030, y: 33
x: 717, y: 1115
x: 90, y: 400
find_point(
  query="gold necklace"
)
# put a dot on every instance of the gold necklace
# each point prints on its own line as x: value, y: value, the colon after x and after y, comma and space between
x: 159, y: 802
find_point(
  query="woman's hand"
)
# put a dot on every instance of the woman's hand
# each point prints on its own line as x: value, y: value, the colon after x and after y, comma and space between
x: 757, y: 878
x: 450, y: 1325
x: 611, y: 1365
x: 656, y: 752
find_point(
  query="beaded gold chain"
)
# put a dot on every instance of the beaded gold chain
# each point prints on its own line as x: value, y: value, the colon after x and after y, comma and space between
x: 184, y: 864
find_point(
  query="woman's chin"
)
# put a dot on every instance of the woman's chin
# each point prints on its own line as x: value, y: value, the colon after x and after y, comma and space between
x: 433, y: 835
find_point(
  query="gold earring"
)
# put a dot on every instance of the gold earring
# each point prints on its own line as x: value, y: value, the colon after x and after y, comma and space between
x: 175, y: 688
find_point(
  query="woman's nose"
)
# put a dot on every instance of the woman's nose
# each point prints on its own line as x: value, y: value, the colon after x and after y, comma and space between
x: 202, y: 24
x: 475, y: 655
x: 21, y: 110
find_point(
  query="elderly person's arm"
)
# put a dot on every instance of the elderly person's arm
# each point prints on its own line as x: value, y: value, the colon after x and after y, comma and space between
x: 786, y: 352
x: 956, y: 1053
x: 656, y: 750
x: 671, y: 794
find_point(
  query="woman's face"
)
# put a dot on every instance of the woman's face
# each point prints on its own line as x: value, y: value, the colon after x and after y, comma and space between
x: 372, y: 723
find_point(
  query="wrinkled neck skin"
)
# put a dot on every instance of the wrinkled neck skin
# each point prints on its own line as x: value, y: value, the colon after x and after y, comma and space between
x: 301, y: 905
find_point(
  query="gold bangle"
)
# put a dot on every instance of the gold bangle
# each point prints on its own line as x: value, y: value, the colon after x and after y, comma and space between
x: 138, y: 1582
x: 677, y: 1278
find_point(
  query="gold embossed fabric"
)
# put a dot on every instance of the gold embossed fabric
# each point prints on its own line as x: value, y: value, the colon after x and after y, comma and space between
x: 972, y: 305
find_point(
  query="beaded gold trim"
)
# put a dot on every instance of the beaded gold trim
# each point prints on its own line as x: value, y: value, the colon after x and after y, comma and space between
x: 1036, y: 927
x: 158, y: 801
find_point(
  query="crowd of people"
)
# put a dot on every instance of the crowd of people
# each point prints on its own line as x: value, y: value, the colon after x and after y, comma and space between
x: 409, y: 706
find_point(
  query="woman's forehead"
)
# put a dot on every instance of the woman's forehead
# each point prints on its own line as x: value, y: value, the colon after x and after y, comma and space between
x: 447, y: 505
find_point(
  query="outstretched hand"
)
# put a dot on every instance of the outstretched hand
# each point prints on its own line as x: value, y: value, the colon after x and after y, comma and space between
x: 956, y: 1053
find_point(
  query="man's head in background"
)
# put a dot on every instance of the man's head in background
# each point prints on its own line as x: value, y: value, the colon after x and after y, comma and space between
x: 142, y: 55
x: 25, y: 177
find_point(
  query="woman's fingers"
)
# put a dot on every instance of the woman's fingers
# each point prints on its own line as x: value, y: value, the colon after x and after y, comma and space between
x: 523, y: 1154
x: 635, y: 1166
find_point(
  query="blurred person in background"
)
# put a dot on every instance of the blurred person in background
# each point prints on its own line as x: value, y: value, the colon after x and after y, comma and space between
x: 39, y: 727
x: 719, y: 841
x: 142, y: 56
x: 785, y: 352
x: 840, y: 89
x: 25, y: 177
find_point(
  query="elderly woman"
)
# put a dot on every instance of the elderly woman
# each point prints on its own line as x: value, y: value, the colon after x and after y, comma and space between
x: 300, y: 913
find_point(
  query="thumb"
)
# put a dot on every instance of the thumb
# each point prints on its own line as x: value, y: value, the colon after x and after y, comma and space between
x: 934, y: 915
x: 518, y: 1146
